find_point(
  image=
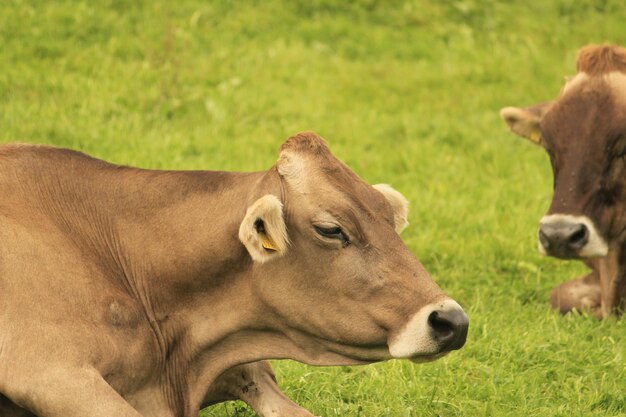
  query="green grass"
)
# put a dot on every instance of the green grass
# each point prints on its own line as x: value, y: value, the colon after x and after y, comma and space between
x: 406, y: 93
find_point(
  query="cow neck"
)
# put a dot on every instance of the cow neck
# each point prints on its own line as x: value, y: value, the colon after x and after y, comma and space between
x: 612, y: 269
x: 193, y: 277
x: 169, y: 240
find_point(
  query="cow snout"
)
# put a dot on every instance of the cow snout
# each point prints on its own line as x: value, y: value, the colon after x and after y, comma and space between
x: 566, y: 237
x: 435, y: 329
x: 449, y: 328
x: 563, y: 240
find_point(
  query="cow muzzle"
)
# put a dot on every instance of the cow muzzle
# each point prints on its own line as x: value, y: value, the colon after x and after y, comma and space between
x: 565, y: 236
x: 434, y: 330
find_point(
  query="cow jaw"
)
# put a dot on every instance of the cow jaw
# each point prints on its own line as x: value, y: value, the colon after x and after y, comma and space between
x: 326, y: 352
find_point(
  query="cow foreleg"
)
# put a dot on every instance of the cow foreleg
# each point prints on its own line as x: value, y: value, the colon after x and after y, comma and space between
x: 613, y: 288
x: 580, y: 294
x: 255, y: 384
x: 61, y: 391
x: 9, y: 409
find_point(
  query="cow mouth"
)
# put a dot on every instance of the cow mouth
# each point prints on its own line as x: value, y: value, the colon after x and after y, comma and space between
x: 333, y: 352
x: 376, y: 353
x: 337, y: 353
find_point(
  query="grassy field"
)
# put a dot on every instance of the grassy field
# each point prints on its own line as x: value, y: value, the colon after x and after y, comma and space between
x: 405, y: 92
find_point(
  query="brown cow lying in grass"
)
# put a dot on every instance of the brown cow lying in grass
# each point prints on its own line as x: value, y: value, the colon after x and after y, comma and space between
x: 584, y: 133
x: 129, y: 292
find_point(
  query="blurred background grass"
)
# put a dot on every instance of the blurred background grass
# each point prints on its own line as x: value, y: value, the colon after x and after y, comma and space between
x: 405, y: 92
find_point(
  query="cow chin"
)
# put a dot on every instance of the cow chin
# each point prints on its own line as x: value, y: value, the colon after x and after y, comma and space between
x: 428, y: 358
x: 566, y: 236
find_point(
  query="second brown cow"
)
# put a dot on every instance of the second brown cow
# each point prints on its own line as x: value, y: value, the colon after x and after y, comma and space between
x: 584, y: 132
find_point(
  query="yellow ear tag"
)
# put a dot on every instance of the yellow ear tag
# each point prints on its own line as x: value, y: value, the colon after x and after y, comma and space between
x: 268, y: 245
x: 535, y: 137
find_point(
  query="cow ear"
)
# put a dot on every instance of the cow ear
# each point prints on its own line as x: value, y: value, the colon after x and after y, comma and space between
x: 399, y: 204
x: 525, y: 122
x: 263, y: 231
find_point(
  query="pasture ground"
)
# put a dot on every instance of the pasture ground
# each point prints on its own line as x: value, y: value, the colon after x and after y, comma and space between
x: 405, y: 92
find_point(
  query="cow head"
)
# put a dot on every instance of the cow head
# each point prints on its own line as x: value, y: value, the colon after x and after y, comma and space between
x: 584, y: 133
x: 330, y: 266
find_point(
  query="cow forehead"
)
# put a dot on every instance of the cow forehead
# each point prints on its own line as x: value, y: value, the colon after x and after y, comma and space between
x: 333, y: 192
x: 315, y: 177
x: 339, y: 188
x: 587, y: 105
x: 613, y: 81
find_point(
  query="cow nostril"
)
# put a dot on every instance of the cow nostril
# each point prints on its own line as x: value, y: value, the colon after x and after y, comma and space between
x: 442, y: 327
x: 449, y: 328
x: 579, y: 237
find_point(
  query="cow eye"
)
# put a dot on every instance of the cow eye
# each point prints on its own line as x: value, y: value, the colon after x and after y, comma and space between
x: 333, y: 233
